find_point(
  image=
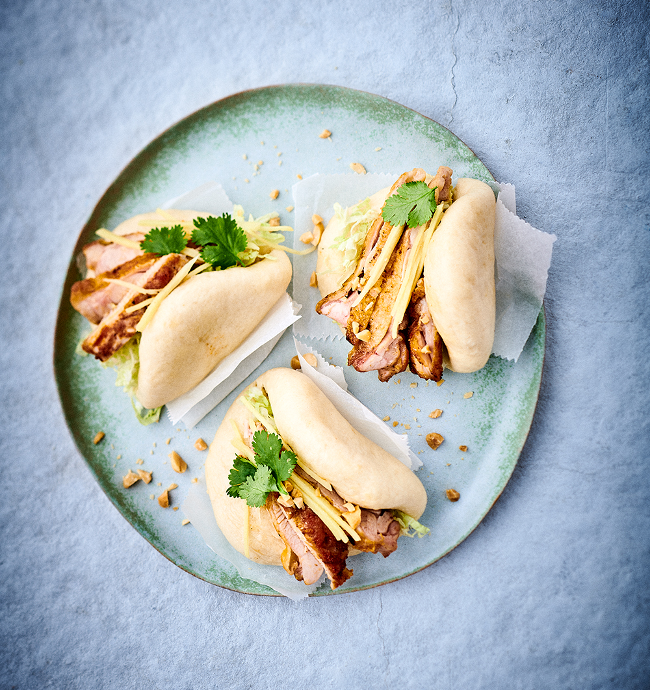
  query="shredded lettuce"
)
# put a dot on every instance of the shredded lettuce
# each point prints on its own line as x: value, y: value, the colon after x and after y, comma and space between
x: 259, y: 404
x: 355, y: 221
x: 126, y: 361
x: 407, y: 523
x: 262, y: 237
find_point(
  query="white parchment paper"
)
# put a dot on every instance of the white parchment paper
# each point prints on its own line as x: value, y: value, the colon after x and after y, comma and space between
x: 522, y: 253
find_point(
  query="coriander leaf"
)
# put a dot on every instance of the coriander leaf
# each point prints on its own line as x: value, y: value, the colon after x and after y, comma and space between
x: 266, y: 447
x: 242, y: 469
x: 256, y: 488
x: 164, y: 240
x: 221, y: 238
x: 413, y: 204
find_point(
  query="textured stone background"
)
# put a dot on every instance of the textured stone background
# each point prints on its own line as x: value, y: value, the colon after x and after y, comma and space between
x: 552, y: 590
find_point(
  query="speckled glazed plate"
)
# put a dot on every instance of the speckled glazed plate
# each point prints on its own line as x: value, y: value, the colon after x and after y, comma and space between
x: 224, y: 142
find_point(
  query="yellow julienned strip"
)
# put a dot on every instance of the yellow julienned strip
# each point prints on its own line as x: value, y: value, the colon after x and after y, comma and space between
x: 308, y: 492
x: 414, y: 269
x: 131, y: 286
x: 317, y: 507
x: 197, y: 270
x: 157, y: 300
x: 139, y: 305
x: 308, y: 470
x: 117, y: 239
x: 239, y: 445
x: 299, y: 252
x: 267, y: 422
x: 381, y: 263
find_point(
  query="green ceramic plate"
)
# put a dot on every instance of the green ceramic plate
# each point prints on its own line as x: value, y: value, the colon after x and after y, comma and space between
x: 224, y: 141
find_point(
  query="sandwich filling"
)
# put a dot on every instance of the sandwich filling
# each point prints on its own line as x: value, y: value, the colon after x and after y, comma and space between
x: 318, y: 526
x: 382, y: 305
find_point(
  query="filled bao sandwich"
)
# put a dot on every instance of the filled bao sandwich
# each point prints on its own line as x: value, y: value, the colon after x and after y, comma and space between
x: 171, y: 293
x: 409, y: 275
x: 292, y: 483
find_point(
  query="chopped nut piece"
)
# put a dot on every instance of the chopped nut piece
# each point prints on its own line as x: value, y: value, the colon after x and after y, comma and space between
x: 316, y: 219
x: 175, y: 508
x: 354, y: 517
x: 364, y: 335
x: 358, y: 168
x: 378, y: 148
x: 200, y: 444
x: 130, y: 479
x: 275, y: 194
x: 295, y: 362
x: 413, y: 385
x: 434, y: 440
x: 469, y: 394
x: 245, y: 157
x: 274, y: 222
x: 435, y: 414
x: 152, y: 496
x: 185, y: 522
x: 163, y: 499
x: 168, y: 441
x: 306, y: 237
x: 311, y: 359
x: 386, y: 418
x: 139, y: 461
x: 178, y: 464
x: 462, y: 448
x: 119, y: 457
x: 260, y: 162
x: 355, y: 327
x: 395, y: 423
x: 246, y: 180
x: 195, y: 480
x: 289, y: 209
x: 452, y: 495
x: 172, y: 486
x: 439, y: 383
x: 313, y: 280
x: 318, y: 233
x: 145, y: 476
x: 407, y: 426
x: 325, y: 134
x: 300, y: 502
x: 299, y: 176
x: 98, y: 437
x: 285, y: 501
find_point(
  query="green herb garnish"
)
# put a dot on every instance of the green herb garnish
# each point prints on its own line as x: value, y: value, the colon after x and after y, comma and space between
x: 164, y: 240
x: 413, y: 204
x: 253, y: 481
x: 222, y: 240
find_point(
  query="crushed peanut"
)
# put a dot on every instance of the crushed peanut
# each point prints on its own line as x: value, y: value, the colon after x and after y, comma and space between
x: 260, y: 162
x: 318, y: 233
x: 355, y: 327
x: 200, y: 444
x: 435, y: 414
x: 395, y: 423
x: 195, y: 480
x: 185, y: 522
x: 145, y: 476
x: 299, y: 176
x: 413, y: 385
x: 172, y: 486
x: 245, y: 157
x: 163, y: 499
x: 275, y: 194
x: 364, y: 335
x: 452, y: 495
x: 178, y: 464
x: 274, y: 222
x: 168, y: 441
x: 434, y: 440
x: 358, y: 168
x: 295, y: 362
x: 139, y: 461
x: 316, y: 219
x: 313, y: 279
x: 310, y: 358
x: 439, y: 383
x: 175, y: 508
x: 98, y: 437
x: 306, y: 237
x: 353, y: 517
x: 378, y: 148
x: 407, y: 426
x: 386, y: 418
x: 130, y: 479
x: 289, y: 209
x: 462, y: 448
x: 469, y: 394
x: 325, y: 134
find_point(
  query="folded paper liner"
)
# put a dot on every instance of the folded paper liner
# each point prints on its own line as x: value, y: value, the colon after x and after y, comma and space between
x: 210, y: 198
x: 330, y: 379
x: 522, y: 258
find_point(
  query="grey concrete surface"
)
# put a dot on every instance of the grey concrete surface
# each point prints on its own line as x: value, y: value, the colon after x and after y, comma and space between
x: 551, y: 591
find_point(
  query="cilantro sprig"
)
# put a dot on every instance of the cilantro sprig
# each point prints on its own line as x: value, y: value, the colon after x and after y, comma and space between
x: 164, y: 240
x: 272, y: 466
x: 413, y: 204
x: 222, y: 240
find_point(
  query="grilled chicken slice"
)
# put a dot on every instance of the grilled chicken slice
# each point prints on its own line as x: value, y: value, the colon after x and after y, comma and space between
x: 379, y: 532
x: 102, y: 256
x: 117, y: 327
x: 316, y: 541
x: 425, y: 343
x: 442, y: 182
x: 94, y: 298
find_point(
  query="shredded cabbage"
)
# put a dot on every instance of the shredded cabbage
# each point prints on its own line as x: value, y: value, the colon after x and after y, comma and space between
x: 258, y: 403
x: 126, y: 361
x: 407, y: 523
x: 355, y: 221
